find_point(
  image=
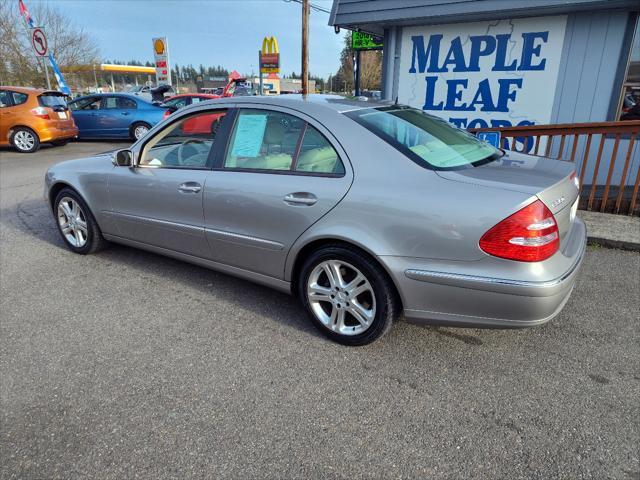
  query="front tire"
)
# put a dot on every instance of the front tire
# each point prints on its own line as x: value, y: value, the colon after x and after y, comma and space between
x: 25, y: 140
x: 76, y: 224
x: 348, y: 296
x: 139, y: 130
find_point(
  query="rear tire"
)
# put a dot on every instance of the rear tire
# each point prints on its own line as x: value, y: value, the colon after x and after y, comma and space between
x: 139, y: 130
x: 76, y: 224
x: 357, y: 305
x: 25, y: 140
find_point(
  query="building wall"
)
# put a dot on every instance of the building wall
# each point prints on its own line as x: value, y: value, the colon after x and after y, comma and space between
x: 589, y: 80
x: 587, y: 89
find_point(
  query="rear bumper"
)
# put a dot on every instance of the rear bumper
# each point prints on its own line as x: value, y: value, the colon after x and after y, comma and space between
x: 49, y: 134
x: 465, y: 295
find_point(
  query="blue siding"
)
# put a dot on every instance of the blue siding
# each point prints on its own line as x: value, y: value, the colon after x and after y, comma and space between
x: 593, y: 46
x: 588, y: 86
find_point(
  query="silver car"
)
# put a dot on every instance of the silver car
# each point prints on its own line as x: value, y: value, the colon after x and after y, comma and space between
x: 363, y: 210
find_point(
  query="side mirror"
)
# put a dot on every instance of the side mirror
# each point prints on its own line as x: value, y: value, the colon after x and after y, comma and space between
x: 123, y: 158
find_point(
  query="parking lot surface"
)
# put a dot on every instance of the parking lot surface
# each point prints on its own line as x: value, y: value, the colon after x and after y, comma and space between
x: 126, y: 364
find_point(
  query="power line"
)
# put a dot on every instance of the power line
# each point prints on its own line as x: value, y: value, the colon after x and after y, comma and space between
x: 313, y: 6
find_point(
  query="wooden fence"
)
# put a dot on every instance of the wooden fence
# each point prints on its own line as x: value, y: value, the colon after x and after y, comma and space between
x: 607, y: 157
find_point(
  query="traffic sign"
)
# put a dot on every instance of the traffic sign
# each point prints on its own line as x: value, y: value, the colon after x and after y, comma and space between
x: 364, y: 41
x: 39, y: 42
x: 491, y: 137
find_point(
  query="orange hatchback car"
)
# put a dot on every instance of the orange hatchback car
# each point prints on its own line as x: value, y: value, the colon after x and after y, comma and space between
x: 29, y: 117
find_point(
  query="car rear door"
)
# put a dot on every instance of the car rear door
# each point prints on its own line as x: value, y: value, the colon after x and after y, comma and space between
x: 159, y: 200
x: 281, y: 172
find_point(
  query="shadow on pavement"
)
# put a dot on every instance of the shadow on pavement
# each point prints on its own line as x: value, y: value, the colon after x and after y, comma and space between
x: 33, y: 218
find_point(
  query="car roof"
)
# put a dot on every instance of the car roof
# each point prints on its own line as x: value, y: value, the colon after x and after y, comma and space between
x: 336, y: 103
x: 115, y: 94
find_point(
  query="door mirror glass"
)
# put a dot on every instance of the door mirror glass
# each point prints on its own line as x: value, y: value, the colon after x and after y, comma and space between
x: 123, y: 158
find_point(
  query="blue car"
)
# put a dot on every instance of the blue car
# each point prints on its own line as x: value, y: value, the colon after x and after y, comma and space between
x: 114, y: 115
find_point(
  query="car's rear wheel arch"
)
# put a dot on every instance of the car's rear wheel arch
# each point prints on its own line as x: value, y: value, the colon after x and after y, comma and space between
x: 318, y: 244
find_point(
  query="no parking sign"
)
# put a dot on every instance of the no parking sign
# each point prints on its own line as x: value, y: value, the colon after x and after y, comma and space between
x: 39, y: 42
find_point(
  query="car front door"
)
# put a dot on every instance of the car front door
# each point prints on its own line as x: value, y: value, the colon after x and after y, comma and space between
x: 279, y: 175
x: 158, y: 201
x: 85, y: 112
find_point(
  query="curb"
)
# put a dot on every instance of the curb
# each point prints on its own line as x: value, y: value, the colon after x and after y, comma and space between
x: 610, y: 243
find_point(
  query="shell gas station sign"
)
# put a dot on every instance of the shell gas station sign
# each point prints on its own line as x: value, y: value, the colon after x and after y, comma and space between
x: 161, y: 58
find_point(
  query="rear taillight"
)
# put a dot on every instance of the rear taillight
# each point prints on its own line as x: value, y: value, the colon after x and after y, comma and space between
x: 529, y: 235
x: 40, y: 112
x: 166, y: 114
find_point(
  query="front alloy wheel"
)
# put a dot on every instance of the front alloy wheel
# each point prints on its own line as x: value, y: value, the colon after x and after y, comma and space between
x: 76, y: 224
x: 73, y: 222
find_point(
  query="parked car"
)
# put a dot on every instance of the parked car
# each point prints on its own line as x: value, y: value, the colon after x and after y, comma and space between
x: 183, y: 100
x: 114, y: 115
x: 363, y: 210
x: 30, y: 117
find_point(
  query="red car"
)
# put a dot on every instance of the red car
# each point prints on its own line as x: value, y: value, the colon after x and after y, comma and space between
x: 178, y: 101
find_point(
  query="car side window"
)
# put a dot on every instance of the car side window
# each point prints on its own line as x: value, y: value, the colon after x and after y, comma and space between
x: 126, y: 103
x: 19, y: 98
x: 269, y: 140
x: 185, y: 143
x: 5, y: 99
x: 263, y: 140
x: 91, y: 103
x: 110, y: 103
x: 317, y: 155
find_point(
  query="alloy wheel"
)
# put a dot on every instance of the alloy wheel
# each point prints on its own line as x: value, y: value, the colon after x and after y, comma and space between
x: 341, y: 297
x: 24, y: 140
x: 72, y: 222
x: 140, y: 131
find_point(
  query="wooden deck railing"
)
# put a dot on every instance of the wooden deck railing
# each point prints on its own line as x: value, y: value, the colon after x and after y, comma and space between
x: 596, y: 148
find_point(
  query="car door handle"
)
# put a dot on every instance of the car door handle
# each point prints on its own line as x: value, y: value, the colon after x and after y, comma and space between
x: 124, y: 113
x: 189, y: 187
x: 301, y: 198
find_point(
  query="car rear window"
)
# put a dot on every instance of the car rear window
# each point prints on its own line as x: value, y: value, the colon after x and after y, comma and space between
x: 52, y: 100
x: 427, y: 140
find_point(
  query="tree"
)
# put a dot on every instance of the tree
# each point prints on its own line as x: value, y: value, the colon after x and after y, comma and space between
x: 70, y: 44
x: 370, y: 69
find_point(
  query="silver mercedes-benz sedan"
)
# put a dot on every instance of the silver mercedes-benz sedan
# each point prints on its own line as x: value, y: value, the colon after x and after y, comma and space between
x: 365, y: 211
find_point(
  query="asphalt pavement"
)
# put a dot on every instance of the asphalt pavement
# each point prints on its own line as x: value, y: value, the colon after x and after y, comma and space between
x: 126, y: 364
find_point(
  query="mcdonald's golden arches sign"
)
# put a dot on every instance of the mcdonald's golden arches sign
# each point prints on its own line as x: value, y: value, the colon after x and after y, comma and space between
x: 269, y: 56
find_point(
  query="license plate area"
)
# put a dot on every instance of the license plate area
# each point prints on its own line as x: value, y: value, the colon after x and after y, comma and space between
x: 62, y: 115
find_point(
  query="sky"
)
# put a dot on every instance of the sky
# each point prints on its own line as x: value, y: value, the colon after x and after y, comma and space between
x: 209, y: 32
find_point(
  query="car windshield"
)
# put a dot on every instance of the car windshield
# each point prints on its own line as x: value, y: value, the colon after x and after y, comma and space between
x: 427, y: 140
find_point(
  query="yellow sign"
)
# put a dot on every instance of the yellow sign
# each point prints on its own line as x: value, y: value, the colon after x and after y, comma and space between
x: 158, y: 46
x: 269, y: 56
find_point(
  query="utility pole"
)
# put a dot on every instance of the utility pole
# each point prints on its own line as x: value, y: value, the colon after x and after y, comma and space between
x: 305, y: 47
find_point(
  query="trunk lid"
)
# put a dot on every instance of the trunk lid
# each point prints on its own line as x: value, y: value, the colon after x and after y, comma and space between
x: 550, y: 180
